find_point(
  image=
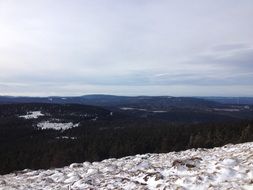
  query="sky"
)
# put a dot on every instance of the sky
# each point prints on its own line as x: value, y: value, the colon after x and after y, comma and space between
x: 126, y: 47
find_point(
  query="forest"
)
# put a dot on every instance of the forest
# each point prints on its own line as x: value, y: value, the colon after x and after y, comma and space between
x: 23, y: 146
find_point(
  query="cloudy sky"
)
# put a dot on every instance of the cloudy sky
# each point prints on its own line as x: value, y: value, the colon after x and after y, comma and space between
x: 126, y: 47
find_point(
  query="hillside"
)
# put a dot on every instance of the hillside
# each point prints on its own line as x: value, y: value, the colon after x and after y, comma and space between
x: 231, y: 100
x: 173, y: 109
x: 42, y: 136
x: 227, y: 167
x: 117, y: 101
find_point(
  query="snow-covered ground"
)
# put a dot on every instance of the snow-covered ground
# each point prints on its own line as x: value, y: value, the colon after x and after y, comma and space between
x: 227, y: 109
x: 228, y: 167
x: 141, y: 109
x: 66, y: 137
x: 159, y: 111
x: 32, y: 115
x: 56, y: 126
x: 137, y: 109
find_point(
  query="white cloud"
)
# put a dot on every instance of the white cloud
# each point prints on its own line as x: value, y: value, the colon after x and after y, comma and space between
x: 124, y: 44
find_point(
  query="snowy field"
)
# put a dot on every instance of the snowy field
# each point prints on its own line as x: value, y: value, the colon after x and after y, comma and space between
x: 56, y: 126
x: 32, y: 115
x: 228, y: 167
x: 137, y: 109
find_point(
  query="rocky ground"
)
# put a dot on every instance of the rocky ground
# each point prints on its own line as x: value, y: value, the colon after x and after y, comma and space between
x: 227, y: 167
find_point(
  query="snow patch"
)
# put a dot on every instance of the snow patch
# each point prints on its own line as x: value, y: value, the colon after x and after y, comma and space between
x: 95, y: 119
x: 66, y: 137
x: 32, y: 115
x: 127, y: 108
x: 227, y: 109
x: 56, y: 126
x: 159, y: 111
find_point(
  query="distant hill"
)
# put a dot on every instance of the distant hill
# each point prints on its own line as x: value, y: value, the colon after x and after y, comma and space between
x: 111, y: 101
x: 231, y: 100
x: 173, y: 109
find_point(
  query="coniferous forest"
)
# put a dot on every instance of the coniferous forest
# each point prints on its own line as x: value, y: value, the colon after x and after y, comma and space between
x: 103, y: 133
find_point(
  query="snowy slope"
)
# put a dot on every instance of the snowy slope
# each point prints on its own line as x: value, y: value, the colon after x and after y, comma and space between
x: 228, y: 167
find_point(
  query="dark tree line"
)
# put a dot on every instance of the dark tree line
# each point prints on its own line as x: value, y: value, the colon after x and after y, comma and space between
x: 23, y: 146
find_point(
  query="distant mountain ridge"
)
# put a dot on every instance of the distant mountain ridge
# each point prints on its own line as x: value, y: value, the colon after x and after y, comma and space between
x: 114, y: 99
x: 231, y: 100
x: 111, y: 100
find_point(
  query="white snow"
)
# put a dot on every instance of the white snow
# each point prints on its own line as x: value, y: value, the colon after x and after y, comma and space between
x: 128, y: 108
x: 56, y: 126
x: 141, y: 109
x: 227, y: 167
x: 66, y: 137
x: 159, y: 111
x: 94, y: 119
x: 227, y: 109
x: 32, y: 115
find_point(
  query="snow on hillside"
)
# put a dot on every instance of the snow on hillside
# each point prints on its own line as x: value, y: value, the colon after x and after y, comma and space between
x: 138, y: 109
x: 32, y: 115
x: 56, y: 126
x: 227, y: 167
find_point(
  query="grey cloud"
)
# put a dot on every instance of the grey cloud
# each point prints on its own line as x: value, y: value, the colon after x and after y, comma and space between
x: 97, y: 44
x: 232, y: 46
x: 205, y: 79
x: 241, y: 59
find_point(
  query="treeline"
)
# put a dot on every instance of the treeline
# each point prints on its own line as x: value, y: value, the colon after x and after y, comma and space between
x: 23, y: 146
